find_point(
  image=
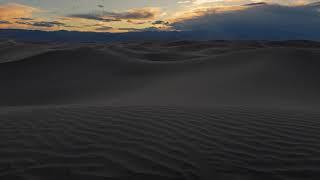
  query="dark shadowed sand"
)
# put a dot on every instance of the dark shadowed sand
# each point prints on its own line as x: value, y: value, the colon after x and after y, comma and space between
x: 156, y: 110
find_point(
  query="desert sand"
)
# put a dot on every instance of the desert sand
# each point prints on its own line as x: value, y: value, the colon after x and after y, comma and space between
x: 160, y: 110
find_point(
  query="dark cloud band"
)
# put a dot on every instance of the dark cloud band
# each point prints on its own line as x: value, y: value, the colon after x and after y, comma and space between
x: 105, y: 16
x: 258, y: 21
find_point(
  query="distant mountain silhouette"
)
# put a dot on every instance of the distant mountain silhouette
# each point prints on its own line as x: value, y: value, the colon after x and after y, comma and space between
x: 87, y: 37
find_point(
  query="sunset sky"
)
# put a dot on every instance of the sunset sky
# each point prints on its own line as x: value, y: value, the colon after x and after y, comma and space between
x: 119, y: 15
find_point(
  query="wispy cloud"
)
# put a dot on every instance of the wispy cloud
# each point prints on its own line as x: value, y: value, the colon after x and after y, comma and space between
x: 184, y: 2
x: 161, y: 22
x: 96, y: 17
x: 133, y: 14
x: 11, y: 12
x: 48, y: 23
x: 24, y: 19
x: 104, y: 28
x: 239, y: 2
x: 4, y: 22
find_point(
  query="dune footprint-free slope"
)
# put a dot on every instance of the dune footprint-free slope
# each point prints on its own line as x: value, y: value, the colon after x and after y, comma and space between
x: 176, y: 110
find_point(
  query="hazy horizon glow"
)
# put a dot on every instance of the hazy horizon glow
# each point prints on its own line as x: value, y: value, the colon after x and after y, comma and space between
x: 115, y: 16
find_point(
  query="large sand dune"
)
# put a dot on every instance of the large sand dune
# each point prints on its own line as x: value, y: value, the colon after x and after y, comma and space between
x: 156, y: 110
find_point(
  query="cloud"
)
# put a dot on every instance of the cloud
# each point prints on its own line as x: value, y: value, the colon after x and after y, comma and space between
x: 47, y: 24
x: 239, y: 2
x: 19, y: 16
x: 97, y: 17
x: 152, y: 29
x: 4, y: 22
x: 142, y: 13
x: 133, y: 14
x: 256, y: 21
x: 160, y: 22
x: 256, y: 4
x: 128, y: 29
x: 205, y: 1
x: 11, y: 11
x: 104, y: 28
x: 24, y: 19
x: 137, y: 22
x: 192, y: 13
x: 23, y: 22
x: 184, y: 2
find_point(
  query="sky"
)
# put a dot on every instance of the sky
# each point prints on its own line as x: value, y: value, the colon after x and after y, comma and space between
x: 164, y: 15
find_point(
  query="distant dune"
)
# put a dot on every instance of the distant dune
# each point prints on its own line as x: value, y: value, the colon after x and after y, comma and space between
x: 160, y: 110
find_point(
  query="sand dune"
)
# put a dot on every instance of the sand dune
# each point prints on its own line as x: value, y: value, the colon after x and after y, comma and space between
x: 159, y: 110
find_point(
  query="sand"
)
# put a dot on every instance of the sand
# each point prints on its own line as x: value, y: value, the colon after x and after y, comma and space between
x: 160, y: 110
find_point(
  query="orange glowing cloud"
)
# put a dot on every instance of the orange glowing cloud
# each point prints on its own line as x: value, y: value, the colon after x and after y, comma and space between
x: 202, y: 11
x: 12, y: 11
x: 18, y: 16
x: 9, y: 13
